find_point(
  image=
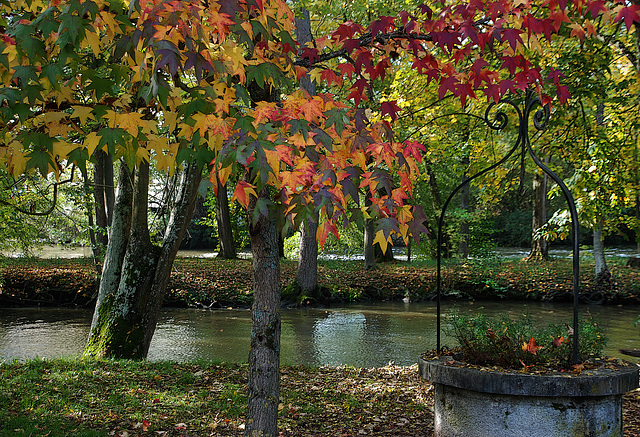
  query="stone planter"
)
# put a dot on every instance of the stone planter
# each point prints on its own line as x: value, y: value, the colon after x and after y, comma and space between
x: 482, y: 403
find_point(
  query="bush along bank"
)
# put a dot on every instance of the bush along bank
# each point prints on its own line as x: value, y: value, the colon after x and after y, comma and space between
x: 215, y: 283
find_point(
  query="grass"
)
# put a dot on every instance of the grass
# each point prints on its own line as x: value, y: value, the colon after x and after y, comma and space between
x: 76, y: 397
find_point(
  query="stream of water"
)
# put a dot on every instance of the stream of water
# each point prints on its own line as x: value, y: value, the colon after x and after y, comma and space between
x: 355, y: 335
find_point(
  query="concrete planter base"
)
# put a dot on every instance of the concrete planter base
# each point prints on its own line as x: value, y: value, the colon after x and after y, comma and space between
x: 478, y: 403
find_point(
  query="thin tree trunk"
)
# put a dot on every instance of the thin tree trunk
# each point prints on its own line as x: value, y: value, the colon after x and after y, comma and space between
x: 539, y: 245
x: 135, y: 272
x: 92, y: 233
x: 102, y: 222
x: 264, y: 355
x: 603, y: 274
x: 223, y: 218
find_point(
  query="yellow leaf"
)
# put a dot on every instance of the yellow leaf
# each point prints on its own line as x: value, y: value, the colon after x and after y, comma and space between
x: 53, y: 117
x: 383, y: 242
x: 91, y: 141
x: 128, y: 121
x: 171, y: 120
x: 17, y: 163
x: 63, y: 148
x: 83, y: 113
x: 92, y: 40
x: 223, y: 174
x: 56, y: 129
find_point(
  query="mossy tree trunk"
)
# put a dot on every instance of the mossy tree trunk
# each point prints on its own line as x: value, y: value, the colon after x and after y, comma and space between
x: 264, y: 356
x: 135, y: 272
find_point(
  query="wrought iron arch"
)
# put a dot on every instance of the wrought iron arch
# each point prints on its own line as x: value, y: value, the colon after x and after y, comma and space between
x: 523, y: 143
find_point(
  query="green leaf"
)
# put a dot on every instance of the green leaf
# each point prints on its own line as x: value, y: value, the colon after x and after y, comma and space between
x: 245, y: 124
x: 111, y: 137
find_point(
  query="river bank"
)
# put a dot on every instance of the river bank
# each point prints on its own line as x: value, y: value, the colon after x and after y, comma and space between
x: 142, y: 398
x: 217, y: 283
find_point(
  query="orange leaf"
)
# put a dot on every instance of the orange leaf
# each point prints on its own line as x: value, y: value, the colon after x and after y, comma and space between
x: 242, y: 192
x: 558, y: 341
x: 531, y: 346
x: 323, y: 231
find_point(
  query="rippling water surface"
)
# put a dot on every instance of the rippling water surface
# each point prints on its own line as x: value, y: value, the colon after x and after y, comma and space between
x: 358, y: 335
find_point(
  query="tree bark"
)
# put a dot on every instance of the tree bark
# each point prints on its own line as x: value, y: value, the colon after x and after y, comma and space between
x: 603, y: 275
x: 264, y: 356
x: 135, y: 272
x: 369, y: 252
x: 223, y: 218
x: 539, y: 245
x: 100, y: 201
x: 307, y: 273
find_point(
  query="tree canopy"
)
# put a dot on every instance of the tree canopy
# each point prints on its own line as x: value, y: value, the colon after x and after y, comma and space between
x: 174, y: 81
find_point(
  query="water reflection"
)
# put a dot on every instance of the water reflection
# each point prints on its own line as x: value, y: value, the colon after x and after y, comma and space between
x: 362, y: 335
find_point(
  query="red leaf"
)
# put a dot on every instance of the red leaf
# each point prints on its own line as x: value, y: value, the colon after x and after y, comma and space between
x: 357, y: 90
x: 351, y: 44
x: 324, y: 229
x: 446, y: 39
x: 311, y: 54
x: 390, y: 108
x: 346, y: 30
x: 447, y: 84
x: 347, y: 70
x: 512, y: 36
x: 596, y: 7
x: 629, y: 14
x: 382, y: 25
x: 563, y: 94
x: 329, y: 76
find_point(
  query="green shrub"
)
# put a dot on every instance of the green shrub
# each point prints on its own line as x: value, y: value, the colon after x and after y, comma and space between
x: 517, y: 343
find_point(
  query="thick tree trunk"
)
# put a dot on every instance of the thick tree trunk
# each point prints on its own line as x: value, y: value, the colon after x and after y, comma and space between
x: 135, y: 272
x: 223, y: 218
x: 603, y: 275
x: 539, y: 245
x: 383, y: 257
x: 307, y: 273
x: 264, y: 356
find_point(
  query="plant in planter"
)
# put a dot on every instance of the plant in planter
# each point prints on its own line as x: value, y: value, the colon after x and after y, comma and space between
x: 522, y: 344
x: 511, y: 377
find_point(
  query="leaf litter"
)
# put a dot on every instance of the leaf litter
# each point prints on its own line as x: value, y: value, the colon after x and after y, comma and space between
x: 127, y: 399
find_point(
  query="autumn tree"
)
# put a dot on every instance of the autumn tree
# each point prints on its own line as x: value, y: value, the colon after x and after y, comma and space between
x: 183, y: 84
